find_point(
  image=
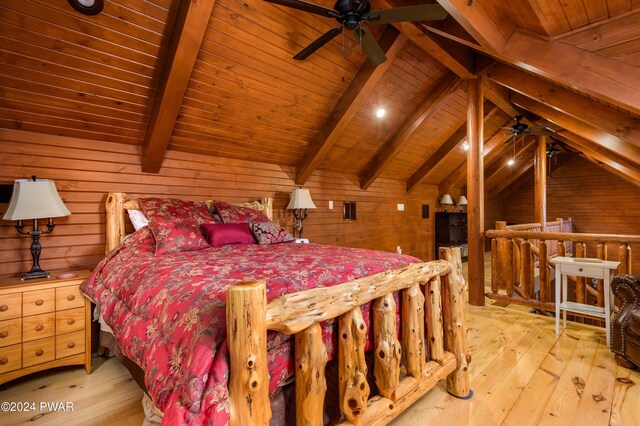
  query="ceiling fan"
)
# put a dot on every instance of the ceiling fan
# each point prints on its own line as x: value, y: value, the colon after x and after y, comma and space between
x: 351, y: 13
x: 519, y: 129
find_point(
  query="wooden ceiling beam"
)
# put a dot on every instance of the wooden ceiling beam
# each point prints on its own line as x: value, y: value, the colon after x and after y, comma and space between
x: 577, y: 106
x: 454, y: 140
x: 457, y: 58
x: 189, y: 28
x: 391, y: 41
x: 388, y: 151
x: 587, y: 131
x: 610, y: 169
x: 459, y: 175
x: 604, y: 78
x: 601, y: 155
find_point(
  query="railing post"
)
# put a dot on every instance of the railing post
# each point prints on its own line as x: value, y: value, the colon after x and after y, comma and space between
x: 624, y: 257
x: 515, y: 265
x: 495, y: 278
x: 543, y: 266
x: 247, y: 343
x: 601, y: 254
x: 562, y: 248
x: 581, y: 297
x: 526, y: 269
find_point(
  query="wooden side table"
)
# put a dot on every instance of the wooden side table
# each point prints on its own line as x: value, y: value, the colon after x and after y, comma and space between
x: 44, y: 323
x: 592, y: 268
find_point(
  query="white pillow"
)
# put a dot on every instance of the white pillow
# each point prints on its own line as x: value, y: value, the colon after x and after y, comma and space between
x: 138, y: 219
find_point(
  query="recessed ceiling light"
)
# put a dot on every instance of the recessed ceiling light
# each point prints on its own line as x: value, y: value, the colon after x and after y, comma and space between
x: 87, y: 7
x: 380, y: 112
x: 465, y: 146
x: 511, y: 162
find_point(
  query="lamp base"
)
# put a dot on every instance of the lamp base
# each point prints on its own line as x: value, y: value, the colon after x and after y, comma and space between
x: 35, y: 274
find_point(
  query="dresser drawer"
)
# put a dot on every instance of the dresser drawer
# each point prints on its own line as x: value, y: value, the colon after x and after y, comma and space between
x: 10, y: 332
x: 10, y: 306
x: 38, y: 351
x: 69, y: 297
x: 38, y: 301
x: 38, y: 326
x: 69, y: 344
x: 10, y: 358
x: 69, y: 320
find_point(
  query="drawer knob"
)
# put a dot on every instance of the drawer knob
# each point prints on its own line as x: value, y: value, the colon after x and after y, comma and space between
x: 71, y: 345
x: 70, y: 297
x: 580, y: 269
x: 3, y: 334
x: 39, y: 302
x: 3, y: 361
x: 3, y: 308
x: 39, y: 352
x: 70, y: 321
x: 39, y: 327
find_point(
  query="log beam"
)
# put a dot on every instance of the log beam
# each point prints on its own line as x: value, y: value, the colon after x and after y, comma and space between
x: 391, y: 42
x: 189, y: 28
x: 475, y: 192
x: 540, y: 179
x: 389, y: 150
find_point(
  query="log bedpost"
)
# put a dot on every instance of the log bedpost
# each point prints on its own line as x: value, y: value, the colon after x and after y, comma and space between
x: 475, y: 191
x: 115, y: 220
x: 434, y: 320
x: 311, y: 385
x: 247, y: 342
x: 413, y: 331
x: 352, y: 367
x: 388, y: 352
x: 456, y: 333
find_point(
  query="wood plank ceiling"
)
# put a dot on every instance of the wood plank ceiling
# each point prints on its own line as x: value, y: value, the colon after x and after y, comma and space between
x: 125, y: 76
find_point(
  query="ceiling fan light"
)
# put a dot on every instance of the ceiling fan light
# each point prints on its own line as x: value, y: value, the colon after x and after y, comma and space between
x: 511, y: 162
x: 87, y: 7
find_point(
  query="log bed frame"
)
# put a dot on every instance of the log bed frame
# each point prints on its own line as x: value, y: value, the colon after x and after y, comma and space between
x: 432, y: 347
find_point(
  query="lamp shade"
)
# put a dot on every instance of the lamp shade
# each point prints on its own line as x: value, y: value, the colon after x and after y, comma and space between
x: 35, y: 199
x: 446, y: 199
x: 301, y: 199
x: 462, y: 201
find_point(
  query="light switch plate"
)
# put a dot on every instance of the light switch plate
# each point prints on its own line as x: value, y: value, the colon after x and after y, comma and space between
x: 330, y: 205
x: 400, y: 207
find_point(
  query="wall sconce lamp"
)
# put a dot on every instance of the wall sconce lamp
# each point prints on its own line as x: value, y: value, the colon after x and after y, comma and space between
x: 300, y: 202
x: 446, y: 201
x: 462, y: 201
x: 32, y: 200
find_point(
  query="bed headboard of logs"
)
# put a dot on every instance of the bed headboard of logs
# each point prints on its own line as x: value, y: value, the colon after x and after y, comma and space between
x: 117, y: 204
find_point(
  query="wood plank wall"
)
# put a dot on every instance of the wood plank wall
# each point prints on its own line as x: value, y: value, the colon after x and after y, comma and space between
x: 85, y: 170
x: 598, y: 201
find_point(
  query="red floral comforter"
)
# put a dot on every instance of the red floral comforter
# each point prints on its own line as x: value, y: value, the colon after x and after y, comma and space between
x: 168, y: 312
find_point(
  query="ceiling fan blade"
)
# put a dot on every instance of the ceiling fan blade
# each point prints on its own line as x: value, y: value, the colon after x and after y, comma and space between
x: 425, y: 12
x: 370, y: 46
x: 307, y: 7
x: 359, y: 5
x: 318, y: 43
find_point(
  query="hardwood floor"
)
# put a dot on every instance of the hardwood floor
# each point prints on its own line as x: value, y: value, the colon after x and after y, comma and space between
x: 522, y: 374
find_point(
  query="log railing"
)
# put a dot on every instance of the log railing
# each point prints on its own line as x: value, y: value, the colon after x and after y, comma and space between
x: 515, y: 261
x: 432, y: 346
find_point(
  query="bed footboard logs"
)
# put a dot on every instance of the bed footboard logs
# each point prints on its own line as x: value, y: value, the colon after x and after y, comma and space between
x: 386, y: 369
x: 311, y: 385
x: 413, y: 330
x: 247, y: 341
x: 352, y: 367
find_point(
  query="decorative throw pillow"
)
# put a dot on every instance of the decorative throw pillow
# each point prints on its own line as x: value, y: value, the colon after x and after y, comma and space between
x: 176, y: 223
x: 270, y: 233
x: 238, y: 214
x: 138, y: 219
x: 219, y: 234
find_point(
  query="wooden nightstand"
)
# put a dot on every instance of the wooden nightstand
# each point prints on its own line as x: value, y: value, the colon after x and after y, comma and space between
x: 43, y: 324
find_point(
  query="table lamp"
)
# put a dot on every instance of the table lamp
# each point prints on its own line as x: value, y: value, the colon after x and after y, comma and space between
x: 446, y: 201
x: 34, y: 199
x: 300, y: 202
x: 462, y: 201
